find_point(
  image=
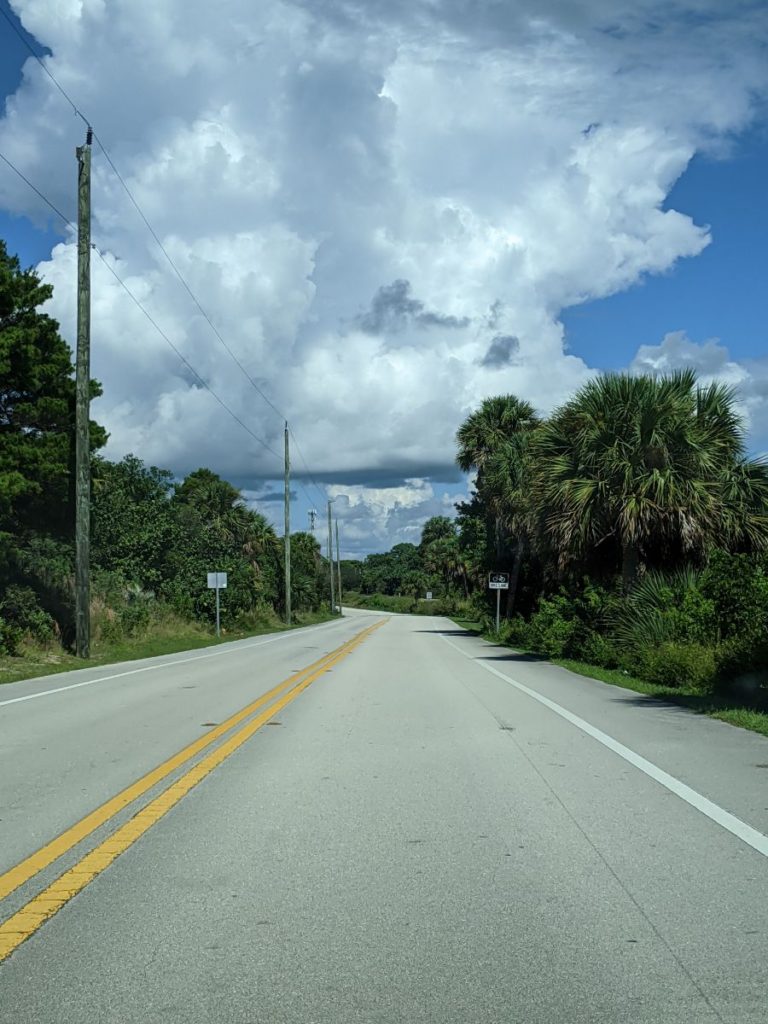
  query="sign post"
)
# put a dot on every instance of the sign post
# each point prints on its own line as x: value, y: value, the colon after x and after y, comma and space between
x: 217, y: 581
x: 498, y: 581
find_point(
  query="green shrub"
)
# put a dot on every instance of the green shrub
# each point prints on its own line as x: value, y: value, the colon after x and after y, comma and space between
x: 135, y: 615
x: 261, y: 617
x: 516, y: 632
x: 595, y: 649
x: 664, y: 607
x: 680, y: 665
x: 737, y: 585
x: 553, y: 627
x: 10, y: 637
x: 20, y: 608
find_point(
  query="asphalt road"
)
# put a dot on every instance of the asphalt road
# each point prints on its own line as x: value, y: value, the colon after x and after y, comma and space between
x: 436, y: 830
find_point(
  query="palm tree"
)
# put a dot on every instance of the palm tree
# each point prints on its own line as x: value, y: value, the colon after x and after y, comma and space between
x: 494, y: 442
x: 650, y: 463
x: 226, y: 514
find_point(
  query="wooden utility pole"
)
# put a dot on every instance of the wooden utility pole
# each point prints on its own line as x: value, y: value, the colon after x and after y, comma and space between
x: 287, y: 528
x: 83, y: 405
x: 330, y: 561
x: 338, y: 560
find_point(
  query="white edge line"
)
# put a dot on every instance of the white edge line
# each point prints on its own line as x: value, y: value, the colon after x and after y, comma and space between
x: 749, y: 835
x: 165, y: 664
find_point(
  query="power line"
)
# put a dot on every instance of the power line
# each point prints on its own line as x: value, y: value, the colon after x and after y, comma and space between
x: 183, y: 358
x: 183, y: 281
x: 36, y: 190
x: 146, y: 313
x: 25, y: 42
x: 314, y: 483
x: 143, y: 216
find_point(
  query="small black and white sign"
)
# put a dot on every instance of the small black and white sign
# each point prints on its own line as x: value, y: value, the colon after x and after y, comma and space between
x: 498, y: 580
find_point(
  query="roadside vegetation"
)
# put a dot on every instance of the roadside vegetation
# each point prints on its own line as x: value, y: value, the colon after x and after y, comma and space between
x: 154, y: 537
x: 635, y: 531
x: 632, y: 523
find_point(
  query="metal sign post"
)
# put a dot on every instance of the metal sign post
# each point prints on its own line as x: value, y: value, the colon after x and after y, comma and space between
x: 498, y: 581
x: 217, y: 581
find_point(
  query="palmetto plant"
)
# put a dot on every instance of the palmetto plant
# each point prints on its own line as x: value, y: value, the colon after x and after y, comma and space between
x: 646, y: 619
x: 648, y: 462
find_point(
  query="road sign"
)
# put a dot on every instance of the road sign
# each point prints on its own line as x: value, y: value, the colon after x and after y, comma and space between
x: 429, y: 595
x: 217, y: 581
x: 498, y: 581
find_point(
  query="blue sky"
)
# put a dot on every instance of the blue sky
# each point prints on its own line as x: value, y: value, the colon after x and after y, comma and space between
x: 721, y: 293
x: 338, y: 172
x: 30, y: 242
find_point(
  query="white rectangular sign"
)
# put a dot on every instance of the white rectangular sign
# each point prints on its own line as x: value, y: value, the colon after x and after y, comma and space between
x: 217, y: 580
x: 498, y: 581
x: 429, y: 595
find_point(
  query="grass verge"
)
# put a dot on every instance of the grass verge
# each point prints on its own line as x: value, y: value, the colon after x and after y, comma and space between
x: 722, y: 708
x: 164, y: 639
x: 469, y: 624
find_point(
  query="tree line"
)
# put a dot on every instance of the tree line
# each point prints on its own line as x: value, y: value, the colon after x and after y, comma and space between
x: 154, y: 538
x: 632, y: 522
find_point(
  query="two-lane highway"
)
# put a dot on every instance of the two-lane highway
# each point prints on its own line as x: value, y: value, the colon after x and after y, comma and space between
x: 413, y: 826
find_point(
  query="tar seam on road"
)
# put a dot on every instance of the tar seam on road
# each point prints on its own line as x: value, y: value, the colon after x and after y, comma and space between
x: 152, y: 668
x: 749, y: 835
x: 27, y: 920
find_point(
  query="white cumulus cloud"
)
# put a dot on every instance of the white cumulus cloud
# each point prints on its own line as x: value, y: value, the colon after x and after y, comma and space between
x: 713, y: 362
x: 382, y: 206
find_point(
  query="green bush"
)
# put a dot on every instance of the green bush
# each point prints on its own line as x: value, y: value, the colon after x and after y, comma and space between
x: 136, y: 614
x: 553, y: 627
x: 737, y: 586
x: 516, y: 632
x: 738, y: 655
x: 20, y: 608
x: 664, y: 607
x: 596, y: 649
x: 261, y: 617
x: 10, y: 637
x: 680, y: 665
x: 120, y: 610
x: 566, y: 626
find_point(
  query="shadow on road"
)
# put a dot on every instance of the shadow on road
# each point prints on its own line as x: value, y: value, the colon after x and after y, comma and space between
x: 700, y: 704
x: 514, y: 656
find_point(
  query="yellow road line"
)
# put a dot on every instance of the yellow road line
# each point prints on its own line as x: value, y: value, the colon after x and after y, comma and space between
x: 47, y: 854
x: 26, y: 921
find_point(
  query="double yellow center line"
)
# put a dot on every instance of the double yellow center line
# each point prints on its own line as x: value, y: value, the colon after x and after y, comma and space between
x: 27, y: 920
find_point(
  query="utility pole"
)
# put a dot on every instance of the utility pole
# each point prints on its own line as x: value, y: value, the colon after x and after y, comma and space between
x: 330, y: 560
x: 338, y: 560
x: 83, y: 404
x: 287, y: 528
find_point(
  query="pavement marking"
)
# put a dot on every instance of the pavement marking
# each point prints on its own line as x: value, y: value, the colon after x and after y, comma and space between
x: 749, y: 835
x: 26, y: 921
x: 154, y: 668
x: 30, y: 866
